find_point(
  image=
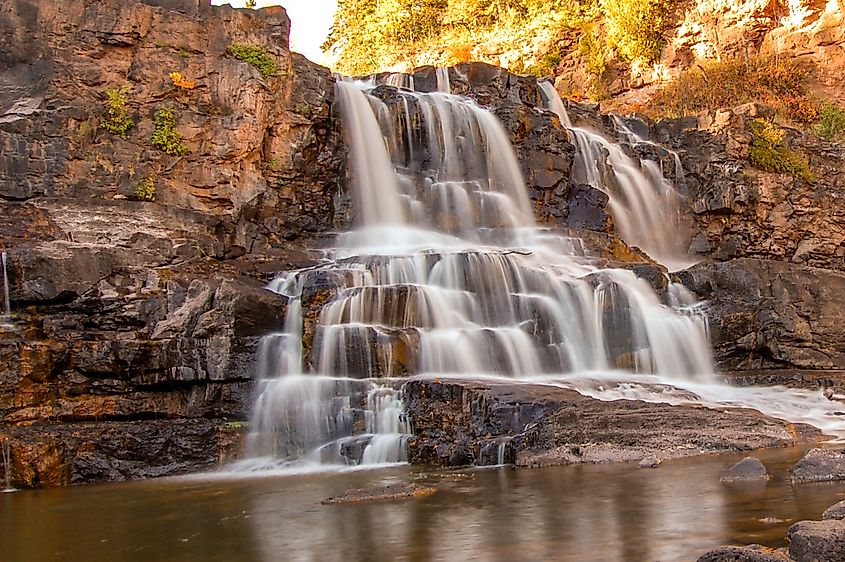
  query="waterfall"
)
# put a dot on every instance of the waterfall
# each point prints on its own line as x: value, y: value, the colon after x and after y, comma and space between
x: 6, y: 455
x: 644, y: 204
x: 6, y: 317
x: 445, y: 273
x: 443, y: 85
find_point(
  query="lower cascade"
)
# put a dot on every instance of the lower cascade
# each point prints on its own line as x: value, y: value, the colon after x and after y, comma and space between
x: 446, y: 274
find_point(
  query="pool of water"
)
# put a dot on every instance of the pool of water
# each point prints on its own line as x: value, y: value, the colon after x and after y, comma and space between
x: 574, y: 513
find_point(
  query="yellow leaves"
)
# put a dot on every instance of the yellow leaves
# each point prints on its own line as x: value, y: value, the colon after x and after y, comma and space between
x: 181, y: 82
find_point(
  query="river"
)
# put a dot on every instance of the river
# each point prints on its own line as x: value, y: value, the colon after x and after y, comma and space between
x: 573, y: 513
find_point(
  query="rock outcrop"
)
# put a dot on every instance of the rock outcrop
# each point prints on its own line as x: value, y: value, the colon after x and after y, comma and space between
x: 135, y: 323
x: 459, y: 422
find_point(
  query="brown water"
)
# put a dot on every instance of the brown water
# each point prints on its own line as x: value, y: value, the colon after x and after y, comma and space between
x: 575, y: 513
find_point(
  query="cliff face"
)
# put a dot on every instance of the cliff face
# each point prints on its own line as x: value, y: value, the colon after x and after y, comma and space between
x: 133, y: 310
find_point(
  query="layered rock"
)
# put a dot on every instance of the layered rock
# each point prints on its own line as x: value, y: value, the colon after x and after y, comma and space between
x: 135, y: 325
x: 458, y: 422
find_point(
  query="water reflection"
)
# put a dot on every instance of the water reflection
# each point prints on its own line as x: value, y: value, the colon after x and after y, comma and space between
x: 579, y: 513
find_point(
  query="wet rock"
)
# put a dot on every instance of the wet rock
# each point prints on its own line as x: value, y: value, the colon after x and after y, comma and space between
x: 382, y: 493
x: 819, y: 465
x: 748, y: 469
x: 457, y: 421
x: 817, y: 541
x: 752, y: 553
x: 649, y: 462
x: 771, y: 314
x: 60, y: 455
x: 836, y: 511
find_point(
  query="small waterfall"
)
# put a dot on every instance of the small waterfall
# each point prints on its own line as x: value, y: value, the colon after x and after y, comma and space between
x: 446, y: 273
x: 6, y: 455
x: 443, y: 85
x: 6, y: 317
x: 644, y: 203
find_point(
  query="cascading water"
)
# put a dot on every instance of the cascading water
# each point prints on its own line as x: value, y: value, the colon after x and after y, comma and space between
x: 6, y: 317
x: 447, y: 274
x: 643, y: 202
x: 6, y: 456
x: 443, y: 85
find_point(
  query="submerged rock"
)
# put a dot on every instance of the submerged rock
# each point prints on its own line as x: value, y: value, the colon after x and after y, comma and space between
x: 836, y: 511
x: 749, y: 468
x: 819, y: 465
x: 649, y: 462
x: 382, y: 493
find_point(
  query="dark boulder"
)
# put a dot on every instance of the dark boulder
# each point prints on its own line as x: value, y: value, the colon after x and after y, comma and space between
x: 741, y: 554
x: 819, y: 465
x: 817, y: 541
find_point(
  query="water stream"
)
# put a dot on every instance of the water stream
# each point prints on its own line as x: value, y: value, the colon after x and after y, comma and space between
x: 643, y: 202
x: 6, y: 317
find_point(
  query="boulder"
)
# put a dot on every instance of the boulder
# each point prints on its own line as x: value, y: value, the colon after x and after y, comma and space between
x: 836, y: 511
x: 817, y: 541
x: 741, y: 554
x: 819, y: 465
x: 749, y: 468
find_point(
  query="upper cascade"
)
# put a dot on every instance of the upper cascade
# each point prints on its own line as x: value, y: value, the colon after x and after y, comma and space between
x: 446, y: 274
x: 645, y: 205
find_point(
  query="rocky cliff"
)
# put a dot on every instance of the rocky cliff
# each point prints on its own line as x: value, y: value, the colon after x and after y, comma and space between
x: 137, y: 264
x: 141, y: 310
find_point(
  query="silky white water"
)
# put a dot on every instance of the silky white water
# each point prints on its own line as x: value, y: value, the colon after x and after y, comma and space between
x: 643, y: 202
x: 447, y: 274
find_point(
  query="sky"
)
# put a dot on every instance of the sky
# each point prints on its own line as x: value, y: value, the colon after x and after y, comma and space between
x: 310, y: 23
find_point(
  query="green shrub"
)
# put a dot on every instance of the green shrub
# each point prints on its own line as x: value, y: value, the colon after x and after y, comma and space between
x: 263, y: 61
x: 165, y: 136
x: 831, y: 122
x: 635, y: 27
x: 119, y: 120
x: 769, y: 153
x: 145, y: 190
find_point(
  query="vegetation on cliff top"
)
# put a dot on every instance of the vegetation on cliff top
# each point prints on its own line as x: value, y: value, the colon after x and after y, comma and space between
x: 371, y: 35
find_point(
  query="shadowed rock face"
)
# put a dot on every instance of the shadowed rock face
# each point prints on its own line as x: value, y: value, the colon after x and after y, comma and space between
x: 770, y: 314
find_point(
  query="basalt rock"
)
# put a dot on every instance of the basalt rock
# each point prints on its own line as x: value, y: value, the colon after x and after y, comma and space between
x: 814, y: 541
x: 819, y: 465
x: 748, y: 469
x: 60, y: 455
x: 741, y: 211
x: 772, y: 314
x: 456, y: 421
x: 741, y: 554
